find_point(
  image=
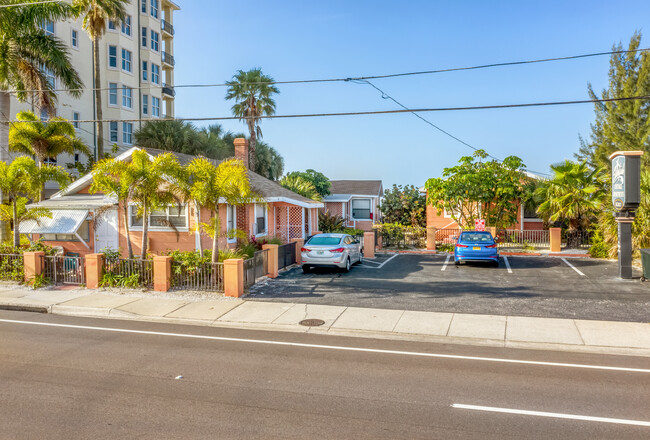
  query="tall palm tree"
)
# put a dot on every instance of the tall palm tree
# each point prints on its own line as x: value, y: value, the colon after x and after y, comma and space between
x: 26, y: 53
x: 574, y: 194
x: 95, y: 15
x: 268, y: 161
x: 23, y: 178
x: 253, y: 93
x: 215, y: 185
x: 170, y: 135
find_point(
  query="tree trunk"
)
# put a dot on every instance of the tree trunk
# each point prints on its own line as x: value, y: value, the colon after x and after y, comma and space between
x: 198, y: 227
x: 16, y: 230
x: 5, y: 117
x: 215, y: 239
x: 145, y: 232
x: 98, y: 101
x: 129, y: 247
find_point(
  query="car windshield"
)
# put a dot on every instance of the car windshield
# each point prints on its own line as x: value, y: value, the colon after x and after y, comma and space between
x: 476, y: 237
x: 324, y: 240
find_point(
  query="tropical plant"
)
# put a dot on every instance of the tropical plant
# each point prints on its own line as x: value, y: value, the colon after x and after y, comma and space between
x: 253, y: 93
x: 212, y: 186
x: 574, y: 195
x: 170, y: 135
x: 316, y: 178
x: 22, y: 178
x: 301, y: 186
x: 96, y: 14
x: 405, y: 205
x: 268, y: 162
x: 27, y: 53
x: 22, y: 214
x: 329, y: 222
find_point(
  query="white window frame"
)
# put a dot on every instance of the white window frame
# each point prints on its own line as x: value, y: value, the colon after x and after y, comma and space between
x: 128, y: 133
x: 127, y: 29
x: 266, y: 220
x: 49, y: 76
x: 144, y: 37
x: 155, y: 41
x: 154, y: 8
x: 127, y: 97
x: 127, y: 61
x: 145, y: 104
x: 145, y: 71
x: 231, y: 216
x: 75, y: 119
x: 112, y: 124
x: 112, y: 91
x: 155, y: 107
x: 44, y: 27
x: 143, y: 6
x: 133, y: 227
x: 108, y: 54
x: 369, y: 209
x: 155, y: 67
x: 109, y: 24
x: 74, y: 40
x: 447, y: 214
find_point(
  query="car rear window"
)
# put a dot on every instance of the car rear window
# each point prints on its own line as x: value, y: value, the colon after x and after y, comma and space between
x: 324, y: 240
x: 476, y: 236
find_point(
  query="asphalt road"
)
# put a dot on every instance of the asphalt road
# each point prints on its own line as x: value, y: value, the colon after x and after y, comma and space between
x: 112, y: 380
x: 546, y: 287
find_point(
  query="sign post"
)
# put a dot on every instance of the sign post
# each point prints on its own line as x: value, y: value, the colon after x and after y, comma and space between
x: 626, y: 197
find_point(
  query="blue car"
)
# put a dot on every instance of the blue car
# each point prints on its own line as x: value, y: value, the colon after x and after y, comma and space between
x: 476, y: 246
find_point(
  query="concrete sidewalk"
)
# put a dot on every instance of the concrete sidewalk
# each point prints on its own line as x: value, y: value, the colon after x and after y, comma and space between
x: 503, y: 331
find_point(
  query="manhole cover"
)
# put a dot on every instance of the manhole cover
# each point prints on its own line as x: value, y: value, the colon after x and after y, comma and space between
x: 312, y: 322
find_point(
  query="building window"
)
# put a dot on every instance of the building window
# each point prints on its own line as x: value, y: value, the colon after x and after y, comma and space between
x: 50, y: 161
x: 126, y: 60
x: 361, y: 209
x: 144, y: 37
x: 448, y: 214
x: 48, y: 27
x: 75, y: 119
x: 83, y: 231
x: 161, y: 218
x: 112, y: 93
x: 260, y: 219
x: 49, y: 76
x: 126, y: 25
x: 127, y: 97
x: 530, y: 212
x: 155, y: 73
x: 154, y: 8
x: 155, y: 39
x: 144, y: 71
x: 111, y: 25
x: 113, y: 131
x: 127, y: 133
x: 143, y: 6
x: 76, y: 158
x: 145, y: 104
x: 155, y: 107
x: 112, y: 56
x: 75, y: 38
x: 231, y: 222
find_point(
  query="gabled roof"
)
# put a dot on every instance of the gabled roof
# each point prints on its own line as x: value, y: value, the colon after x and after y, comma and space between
x: 357, y: 187
x: 271, y: 191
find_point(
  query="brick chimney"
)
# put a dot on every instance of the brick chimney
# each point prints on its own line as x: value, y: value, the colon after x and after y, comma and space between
x: 241, y: 150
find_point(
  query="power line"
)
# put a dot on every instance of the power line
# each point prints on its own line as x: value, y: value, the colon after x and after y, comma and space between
x: 30, y: 3
x: 361, y: 78
x: 381, y: 112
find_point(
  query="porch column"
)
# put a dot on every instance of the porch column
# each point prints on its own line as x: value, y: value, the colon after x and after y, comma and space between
x: 302, y: 222
x: 288, y: 236
x: 33, y: 262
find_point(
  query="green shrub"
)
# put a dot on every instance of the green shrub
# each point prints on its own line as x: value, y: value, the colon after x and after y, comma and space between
x: 599, y: 250
x: 352, y: 231
x: 329, y: 223
x: 445, y: 247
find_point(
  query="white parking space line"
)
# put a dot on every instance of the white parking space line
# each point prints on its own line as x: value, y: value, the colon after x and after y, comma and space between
x: 573, y: 267
x: 505, y: 259
x: 380, y: 265
x: 444, y: 266
x: 332, y: 347
x: 551, y: 414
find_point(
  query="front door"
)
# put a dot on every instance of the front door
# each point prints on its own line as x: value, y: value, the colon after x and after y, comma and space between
x: 106, y: 232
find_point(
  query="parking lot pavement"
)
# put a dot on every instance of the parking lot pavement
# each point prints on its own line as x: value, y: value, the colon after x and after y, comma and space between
x: 521, y: 286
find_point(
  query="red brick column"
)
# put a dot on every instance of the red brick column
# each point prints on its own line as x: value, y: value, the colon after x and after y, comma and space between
x: 94, y: 270
x: 33, y: 262
x: 273, y: 259
x: 162, y: 273
x: 233, y: 277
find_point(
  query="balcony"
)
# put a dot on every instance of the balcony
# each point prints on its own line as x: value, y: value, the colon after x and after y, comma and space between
x: 167, y: 59
x: 168, y: 90
x: 167, y: 27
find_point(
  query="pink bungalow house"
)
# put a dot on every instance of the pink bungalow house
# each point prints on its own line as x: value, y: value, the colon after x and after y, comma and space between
x: 356, y: 201
x: 85, y: 223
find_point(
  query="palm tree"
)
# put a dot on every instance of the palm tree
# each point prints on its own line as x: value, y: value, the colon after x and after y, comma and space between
x: 95, y: 15
x: 44, y: 140
x: 301, y: 186
x: 27, y: 53
x: 574, y: 194
x: 170, y: 135
x: 23, y: 178
x: 215, y: 185
x: 268, y: 162
x: 18, y: 213
x: 252, y: 92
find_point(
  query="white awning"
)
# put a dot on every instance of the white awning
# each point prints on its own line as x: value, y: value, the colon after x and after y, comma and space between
x: 63, y: 221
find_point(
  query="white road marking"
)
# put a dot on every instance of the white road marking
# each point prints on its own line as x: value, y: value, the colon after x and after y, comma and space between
x: 505, y: 259
x: 380, y: 266
x: 444, y: 266
x: 550, y: 414
x: 573, y: 267
x: 332, y: 347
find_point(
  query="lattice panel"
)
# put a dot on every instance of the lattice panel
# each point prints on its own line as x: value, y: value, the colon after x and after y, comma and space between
x: 335, y: 208
x: 295, y: 222
x: 242, y: 219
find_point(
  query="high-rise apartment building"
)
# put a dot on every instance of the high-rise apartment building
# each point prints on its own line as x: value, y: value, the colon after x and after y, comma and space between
x: 137, y: 74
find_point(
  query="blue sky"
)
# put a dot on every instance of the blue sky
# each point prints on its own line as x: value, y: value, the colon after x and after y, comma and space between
x: 308, y: 39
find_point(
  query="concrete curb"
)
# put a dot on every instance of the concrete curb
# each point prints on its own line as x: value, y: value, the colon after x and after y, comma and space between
x: 25, y: 308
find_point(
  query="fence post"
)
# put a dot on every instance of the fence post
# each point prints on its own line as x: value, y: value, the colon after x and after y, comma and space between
x: 431, y: 238
x: 162, y: 273
x: 555, y: 235
x: 492, y: 230
x: 379, y: 238
x: 316, y: 232
x: 94, y: 270
x: 369, y: 245
x: 233, y: 277
x: 299, y: 244
x: 272, y: 260
x: 33, y: 262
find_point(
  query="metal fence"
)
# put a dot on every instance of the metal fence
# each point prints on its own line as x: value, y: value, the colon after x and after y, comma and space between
x: 286, y: 255
x: 576, y: 239
x: 410, y: 237
x: 255, y: 267
x: 447, y: 235
x: 204, y: 276
x: 130, y: 272
x: 515, y: 238
x: 12, y: 267
x: 62, y: 269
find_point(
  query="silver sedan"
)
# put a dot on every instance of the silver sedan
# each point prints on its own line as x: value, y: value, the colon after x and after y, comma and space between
x: 331, y: 250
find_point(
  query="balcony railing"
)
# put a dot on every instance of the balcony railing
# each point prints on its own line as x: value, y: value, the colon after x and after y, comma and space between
x: 167, y: 27
x: 168, y: 59
x: 168, y: 90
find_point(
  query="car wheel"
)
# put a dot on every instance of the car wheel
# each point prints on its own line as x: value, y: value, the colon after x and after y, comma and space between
x: 347, y: 265
x: 305, y: 269
x: 360, y: 257
x: 457, y: 262
x: 495, y: 263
